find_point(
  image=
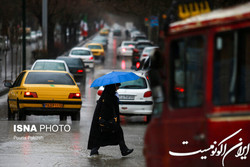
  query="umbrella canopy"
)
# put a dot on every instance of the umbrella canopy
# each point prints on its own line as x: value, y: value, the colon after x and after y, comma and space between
x: 113, y: 78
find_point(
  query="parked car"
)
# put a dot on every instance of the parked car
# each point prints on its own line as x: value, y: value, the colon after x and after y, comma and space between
x: 125, y: 48
x: 85, y: 54
x: 135, y: 97
x: 49, y: 64
x: 44, y: 93
x: 76, y: 68
x: 97, y: 50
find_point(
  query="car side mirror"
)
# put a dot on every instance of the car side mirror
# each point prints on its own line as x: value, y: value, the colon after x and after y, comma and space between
x: 8, y: 84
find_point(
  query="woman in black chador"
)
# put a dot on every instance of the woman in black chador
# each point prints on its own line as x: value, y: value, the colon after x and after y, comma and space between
x: 107, y: 108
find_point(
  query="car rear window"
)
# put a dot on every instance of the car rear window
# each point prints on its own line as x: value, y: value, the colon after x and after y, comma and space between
x: 94, y: 47
x: 73, y: 61
x: 49, y: 66
x: 80, y: 52
x: 129, y: 44
x: 143, y: 45
x: 135, y: 84
x: 49, y: 78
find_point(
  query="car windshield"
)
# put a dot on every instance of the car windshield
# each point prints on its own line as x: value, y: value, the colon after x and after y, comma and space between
x: 52, y: 78
x: 80, y: 52
x: 135, y: 84
x: 94, y: 47
x: 57, y: 66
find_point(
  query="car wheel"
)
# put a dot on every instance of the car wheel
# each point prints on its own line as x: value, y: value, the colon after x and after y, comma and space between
x: 76, y: 116
x: 63, y: 117
x: 21, y: 116
x: 11, y: 116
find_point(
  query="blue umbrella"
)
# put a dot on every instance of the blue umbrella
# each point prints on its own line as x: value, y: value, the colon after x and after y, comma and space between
x: 113, y: 78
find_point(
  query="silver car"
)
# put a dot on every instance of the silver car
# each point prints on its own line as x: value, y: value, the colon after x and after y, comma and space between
x: 85, y: 54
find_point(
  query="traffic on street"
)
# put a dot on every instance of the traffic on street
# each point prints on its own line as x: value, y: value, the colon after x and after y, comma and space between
x: 31, y: 137
x: 132, y: 83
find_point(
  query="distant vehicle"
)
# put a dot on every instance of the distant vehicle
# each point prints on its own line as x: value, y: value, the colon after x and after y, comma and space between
x: 140, y: 45
x: 139, y: 37
x: 148, y: 51
x: 129, y: 25
x: 104, y: 31
x: 134, y: 33
x: 76, y: 68
x: 33, y: 36
x: 101, y: 40
x: 44, y: 93
x: 135, y: 97
x: 126, y: 48
x: 97, y: 50
x: 39, y: 34
x: 49, y: 64
x: 117, y: 32
x: 85, y: 54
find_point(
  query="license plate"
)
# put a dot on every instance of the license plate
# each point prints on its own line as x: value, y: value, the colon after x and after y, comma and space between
x: 53, y: 105
x: 126, y: 97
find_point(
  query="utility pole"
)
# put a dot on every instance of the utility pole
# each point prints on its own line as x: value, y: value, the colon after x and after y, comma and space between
x: 24, y: 34
x: 45, y: 23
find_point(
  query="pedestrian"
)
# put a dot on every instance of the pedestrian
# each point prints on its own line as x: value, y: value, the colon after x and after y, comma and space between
x: 107, y: 108
x: 127, y: 34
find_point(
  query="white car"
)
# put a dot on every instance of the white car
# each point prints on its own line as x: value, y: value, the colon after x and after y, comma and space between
x: 85, y: 54
x: 126, y: 48
x: 135, y: 97
x: 33, y: 36
x: 147, y: 52
x: 49, y: 64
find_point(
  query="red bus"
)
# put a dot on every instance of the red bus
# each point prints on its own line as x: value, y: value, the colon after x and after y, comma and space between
x: 201, y: 116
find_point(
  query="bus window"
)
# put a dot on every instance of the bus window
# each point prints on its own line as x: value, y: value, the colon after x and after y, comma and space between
x: 187, y: 56
x: 231, y: 67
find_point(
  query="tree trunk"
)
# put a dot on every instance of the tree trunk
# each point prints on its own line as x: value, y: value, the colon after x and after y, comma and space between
x: 51, y: 41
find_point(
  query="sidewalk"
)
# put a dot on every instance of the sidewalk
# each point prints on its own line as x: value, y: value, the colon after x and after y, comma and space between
x: 9, y: 67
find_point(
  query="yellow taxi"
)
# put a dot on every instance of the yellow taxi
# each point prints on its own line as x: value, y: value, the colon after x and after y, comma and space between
x: 41, y: 92
x: 104, y: 31
x: 97, y: 50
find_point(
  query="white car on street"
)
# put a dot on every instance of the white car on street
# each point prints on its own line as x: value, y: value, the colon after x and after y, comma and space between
x: 135, y: 97
x: 126, y: 48
x: 85, y: 54
x: 50, y: 64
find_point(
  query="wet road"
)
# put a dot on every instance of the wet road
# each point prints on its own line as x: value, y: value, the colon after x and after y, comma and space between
x: 50, y: 142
